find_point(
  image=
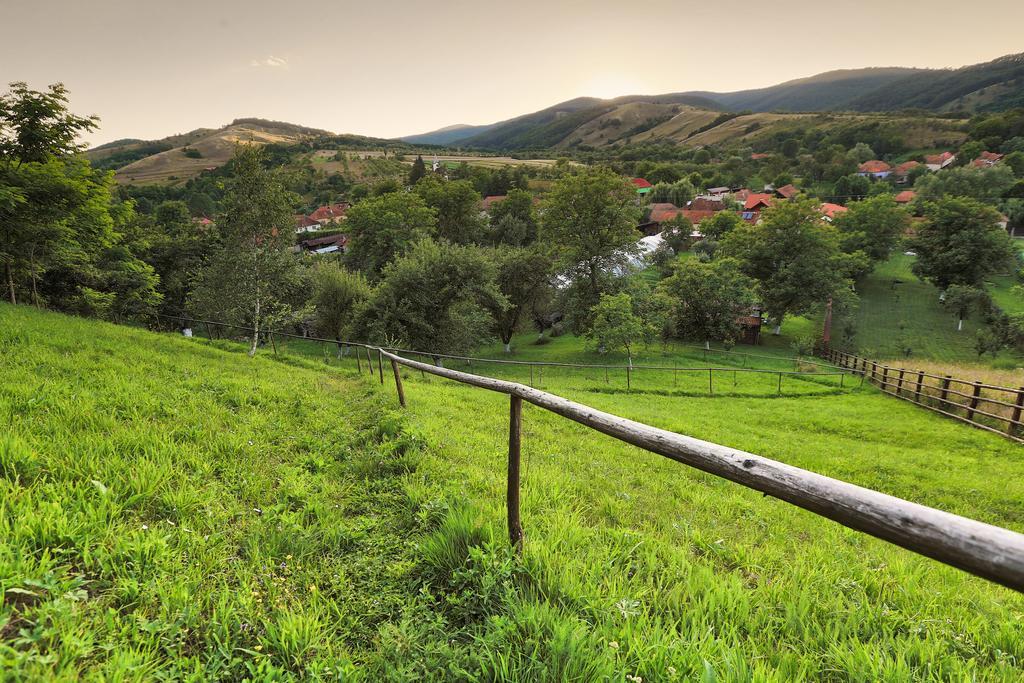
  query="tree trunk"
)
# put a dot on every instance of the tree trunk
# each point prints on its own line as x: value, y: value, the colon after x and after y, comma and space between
x: 508, y: 347
x: 255, y: 329
x: 959, y: 324
x: 777, y: 330
x: 10, y: 283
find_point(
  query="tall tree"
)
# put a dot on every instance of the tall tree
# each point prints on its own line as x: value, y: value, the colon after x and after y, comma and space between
x: 418, y: 170
x: 458, y: 209
x: 589, y: 219
x: 382, y: 228
x: 795, y: 258
x: 872, y: 226
x: 248, y: 280
x: 960, y: 243
x: 338, y: 298
x: 514, y: 219
x: 615, y: 325
x: 965, y: 299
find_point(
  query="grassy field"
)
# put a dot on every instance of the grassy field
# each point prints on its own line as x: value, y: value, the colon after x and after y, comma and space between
x: 170, y: 508
x: 898, y: 312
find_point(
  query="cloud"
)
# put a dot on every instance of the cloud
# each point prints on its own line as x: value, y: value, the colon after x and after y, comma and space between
x: 271, y: 61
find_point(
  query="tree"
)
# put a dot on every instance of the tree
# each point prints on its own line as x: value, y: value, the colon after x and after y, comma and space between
x: 963, y: 299
x: 176, y: 248
x: 247, y: 280
x: 794, y: 256
x: 851, y: 187
x: 514, y: 219
x: 435, y: 298
x: 679, y: 193
x: 419, y: 169
x: 338, y: 298
x: 589, y: 220
x: 522, y: 277
x: 708, y: 299
x: 458, y: 209
x: 720, y: 224
x: 960, y: 243
x: 615, y: 326
x: 382, y: 228
x: 982, y: 184
x: 872, y: 226
x: 37, y: 126
x: 676, y: 233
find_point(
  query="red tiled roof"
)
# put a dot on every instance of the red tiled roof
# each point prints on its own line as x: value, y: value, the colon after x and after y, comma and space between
x: 741, y: 195
x: 663, y: 211
x: 755, y: 199
x: 706, y: 204
x: 490, y: 200
x: 696, y: 216
x: 330, y: 212
x: 788, y: 191
x: 874, y: 166
x: 305, y: 222
x: 905, y: 167
x: 905, y: 197
x: 830, y: 210
x: 938, y: 158
x: 991, y: 156
x: 640, y: 183
x: 759, y: 155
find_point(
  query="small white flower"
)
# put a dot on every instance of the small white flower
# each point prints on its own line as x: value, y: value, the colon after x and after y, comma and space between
x: 145, y: 526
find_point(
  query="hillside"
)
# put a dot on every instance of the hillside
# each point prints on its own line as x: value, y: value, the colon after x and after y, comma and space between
x: 172, y: 508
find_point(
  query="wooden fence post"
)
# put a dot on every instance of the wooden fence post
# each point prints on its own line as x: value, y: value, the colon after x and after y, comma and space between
x: 629, y: 384
x: 1012, y: 428
x: 874, y: 371
x: 780, y: 383
x: 398, y: 382
x: 272, y: 342
x: 920, y: 381
x: 711, y: 387
x: 944, y: 394
x: 899, y: 385
x: 359, y: 362
x: 380, y: 364
x: 885, y: 377
x: 515, y: 419
x: 974, y: 399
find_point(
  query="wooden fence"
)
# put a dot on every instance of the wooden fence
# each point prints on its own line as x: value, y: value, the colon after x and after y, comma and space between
x: 986, y: 406
x: 984, y: 550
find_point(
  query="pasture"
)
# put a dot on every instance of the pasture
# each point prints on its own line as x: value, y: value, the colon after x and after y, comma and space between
x: 172, y: 508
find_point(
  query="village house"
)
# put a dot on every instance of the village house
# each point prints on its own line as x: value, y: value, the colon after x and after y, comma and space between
x: 902, y: 171
x: 490, y: 200
x: 642, y: 186
x: 756, y: 201
x: 304, y: 223
x: 331, y: 213
x: 937, y: 162
x: 324, y: 245
x: 875, y: 169
x: 786, y: 192
x: 905, y: 197
x: 829, y: 211
x: 987, y: 160
x: 718, y: 191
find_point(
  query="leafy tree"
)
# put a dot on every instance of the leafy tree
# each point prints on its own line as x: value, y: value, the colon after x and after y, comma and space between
x: 720, y: 224
x: 708, y: 298
x: 872, y: 226
x: 851, y: 187
x: 514, y: 219
x: 37, y: 126
x: 589, y: 220
x: 247, y: 280
x: 615, y: 326
x: 382, y: 228
x: 338, y: 299
x: 982, y: 184
x: 201, y: 204
x: 964, y: 299
x: 434, y: 298
x: 960, y: 243
x: 679, y: 193
x: 419, y: 169
x: 458, y: 209
x: 676, y: 233
x: 176, y: 248
x: 861, y: 152
x: 794, y: 256
x: 790, y: 148
x: 523, y: 275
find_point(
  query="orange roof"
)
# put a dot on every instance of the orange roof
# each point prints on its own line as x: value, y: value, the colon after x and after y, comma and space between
x: 330, y: 212
x: 640, y: 183
x: 697, y: 215
x: 938, y: 158
x: 490, y: 200
x: 991, y: 156
x: 905, y: 197
x: 755, y: 199
x: 788, y: 191
x: 705, y: 204
x: 759, y: 155
x: 830, y: 210
x: 905, y: 167
x: 874, y: 166
x: 663, y: 211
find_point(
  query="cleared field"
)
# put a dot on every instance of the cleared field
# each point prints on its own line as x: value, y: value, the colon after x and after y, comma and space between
x: 170, y: 508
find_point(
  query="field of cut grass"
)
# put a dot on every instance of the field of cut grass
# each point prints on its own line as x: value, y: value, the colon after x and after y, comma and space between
x: 171, y: 508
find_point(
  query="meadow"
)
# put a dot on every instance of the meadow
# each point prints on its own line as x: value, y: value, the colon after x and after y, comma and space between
x: 170, y: 508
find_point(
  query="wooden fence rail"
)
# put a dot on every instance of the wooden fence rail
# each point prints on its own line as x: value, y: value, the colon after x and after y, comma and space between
x: 998, y: 410
x: 984, y: 550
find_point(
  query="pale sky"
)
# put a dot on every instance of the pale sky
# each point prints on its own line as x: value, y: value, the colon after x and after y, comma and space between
x: 386, y: 68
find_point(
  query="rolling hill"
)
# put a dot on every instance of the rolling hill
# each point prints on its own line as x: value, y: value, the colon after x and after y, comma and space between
x: 994, y: 85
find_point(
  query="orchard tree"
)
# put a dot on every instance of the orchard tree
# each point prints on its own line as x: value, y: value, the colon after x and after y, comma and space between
x: 615, y: 326
x: 708, y: 299
x: 338, y: 298
x: 458, y: 209
x: 382, y: 228
x: 960, y: 243
x: 589, y: 220
x: 795, y: 258
x: 434, y: 298
x: 523, y: 275
x: 982, y: 184
x: 250, y: 278
x: 872, y: 226
x: 514, y: 219
x: 720, y: 224
x: 965, y: 299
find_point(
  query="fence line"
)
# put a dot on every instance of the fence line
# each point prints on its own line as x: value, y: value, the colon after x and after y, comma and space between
x: 1003, y: 418
x: 628, y: 370
x: 985, y: 550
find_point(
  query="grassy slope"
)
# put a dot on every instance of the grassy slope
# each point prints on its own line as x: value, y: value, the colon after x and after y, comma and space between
x: 929, y: 329
x: 633, y: 565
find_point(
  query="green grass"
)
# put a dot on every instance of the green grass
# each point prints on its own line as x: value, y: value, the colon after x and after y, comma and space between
x: 633, y: 565
x: 892, y: 317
